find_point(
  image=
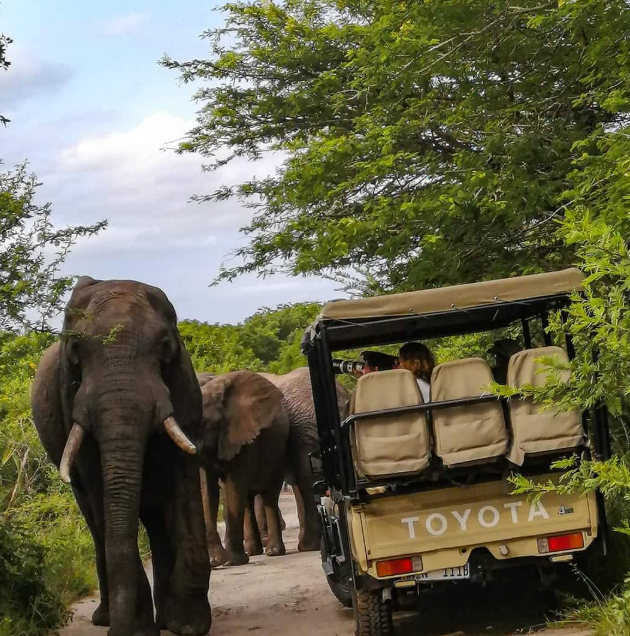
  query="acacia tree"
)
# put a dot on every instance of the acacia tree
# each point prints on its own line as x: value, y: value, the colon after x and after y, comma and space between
x: 31, y: 252
x: 424, y: 142
x: 31, y: 248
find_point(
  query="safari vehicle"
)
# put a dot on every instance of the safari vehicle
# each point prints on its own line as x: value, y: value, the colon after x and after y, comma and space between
x: 416, y: 494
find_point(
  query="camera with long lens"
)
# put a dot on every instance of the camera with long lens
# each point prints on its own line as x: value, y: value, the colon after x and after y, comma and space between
x: 347, y: 366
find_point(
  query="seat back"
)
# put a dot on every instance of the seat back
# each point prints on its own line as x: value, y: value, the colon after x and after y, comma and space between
x: 389, y: 445
x: 536, y: 432
x: 470, y: 433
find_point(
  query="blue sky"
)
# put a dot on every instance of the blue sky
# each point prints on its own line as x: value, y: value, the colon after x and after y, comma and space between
x: 94, y: 114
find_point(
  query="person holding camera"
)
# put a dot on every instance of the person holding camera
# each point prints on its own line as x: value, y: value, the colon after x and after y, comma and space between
x: 417, y: 358
x: 370, y: 362
x: 376, y: 361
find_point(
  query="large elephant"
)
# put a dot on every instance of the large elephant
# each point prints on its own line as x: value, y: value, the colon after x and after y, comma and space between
x: 116, y: 405
x: 303, y: 440
x: 243, y: 443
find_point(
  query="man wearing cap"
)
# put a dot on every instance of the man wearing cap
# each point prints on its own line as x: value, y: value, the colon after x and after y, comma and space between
x: 377, y: 361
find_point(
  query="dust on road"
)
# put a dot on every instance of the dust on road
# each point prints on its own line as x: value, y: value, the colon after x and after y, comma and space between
x: 288, y: 596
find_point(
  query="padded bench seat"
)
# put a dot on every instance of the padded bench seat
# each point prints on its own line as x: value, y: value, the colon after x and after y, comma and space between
x: 536, y: 431
x: 393, y: 445
x: 472, y: 433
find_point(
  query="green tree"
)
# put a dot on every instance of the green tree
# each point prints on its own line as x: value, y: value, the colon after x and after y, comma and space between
x: 46, y: 553
x: 425, y: 143
x: 31, y: 252
x: 31, y: 248
x: 270, y: 331
x: 217, y: 348
x: 267, y: 341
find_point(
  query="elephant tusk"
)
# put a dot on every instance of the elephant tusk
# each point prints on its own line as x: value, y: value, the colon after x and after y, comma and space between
x: 205, y: 498
x: 178, y: 436
x: 70, y: 452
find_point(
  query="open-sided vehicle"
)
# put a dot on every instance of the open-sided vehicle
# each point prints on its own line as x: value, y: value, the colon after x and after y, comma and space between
x: 416, y: 494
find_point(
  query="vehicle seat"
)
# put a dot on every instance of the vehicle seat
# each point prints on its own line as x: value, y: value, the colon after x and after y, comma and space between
x: 391, y: 445
x: 536, y: 432
x: 472, y: 433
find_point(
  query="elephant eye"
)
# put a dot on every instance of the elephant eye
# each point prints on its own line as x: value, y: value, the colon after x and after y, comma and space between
x: 167, y: 350
x: 72, y: 352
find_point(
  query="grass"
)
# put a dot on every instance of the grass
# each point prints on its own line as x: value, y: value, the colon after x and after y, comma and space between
x: 46, y: 563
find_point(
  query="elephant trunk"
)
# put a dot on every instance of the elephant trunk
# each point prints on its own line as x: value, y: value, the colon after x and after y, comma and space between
x: 122, y: 442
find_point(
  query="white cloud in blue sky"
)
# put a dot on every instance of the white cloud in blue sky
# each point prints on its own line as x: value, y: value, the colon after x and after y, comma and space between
x: 94, y: 114
x: 32, y: 79
x: 125, y: 24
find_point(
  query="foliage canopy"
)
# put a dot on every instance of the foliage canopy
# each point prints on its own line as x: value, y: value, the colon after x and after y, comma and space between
x: 31, y: 251
x: 267, y: 341
x: 424, y: 143
x: 46, y: 554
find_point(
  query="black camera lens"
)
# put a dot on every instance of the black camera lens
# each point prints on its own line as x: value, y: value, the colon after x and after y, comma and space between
x: 347, y: 366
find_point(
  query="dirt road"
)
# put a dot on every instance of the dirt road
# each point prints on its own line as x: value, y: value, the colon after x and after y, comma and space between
x: 288, y: 596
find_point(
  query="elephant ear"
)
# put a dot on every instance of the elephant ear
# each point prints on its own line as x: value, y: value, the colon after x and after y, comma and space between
x: 74, y: 314
x: 250, y: 404
x: 178, y: 373
x: 46, y: 404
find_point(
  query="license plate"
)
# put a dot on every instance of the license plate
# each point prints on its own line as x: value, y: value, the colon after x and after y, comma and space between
x: 447, y: 574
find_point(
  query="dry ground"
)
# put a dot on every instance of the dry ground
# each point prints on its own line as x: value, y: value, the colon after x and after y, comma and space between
x: 288, y: 596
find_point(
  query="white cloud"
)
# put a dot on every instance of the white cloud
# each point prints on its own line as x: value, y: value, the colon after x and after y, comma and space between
x: 143, y: 188
x: 31, y: 78
x: 155, y: 234
x: 125, y: 24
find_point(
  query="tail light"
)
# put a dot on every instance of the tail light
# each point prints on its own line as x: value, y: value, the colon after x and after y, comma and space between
x: 561, y: 543
x: 399, y: 566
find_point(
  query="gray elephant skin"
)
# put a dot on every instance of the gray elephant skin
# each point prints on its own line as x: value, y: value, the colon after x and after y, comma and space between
x: 297, y: 399
x: 116, y: 404
x: 243, y: 443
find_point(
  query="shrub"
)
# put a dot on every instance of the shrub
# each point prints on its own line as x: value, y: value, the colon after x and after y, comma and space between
x: 46, y: 553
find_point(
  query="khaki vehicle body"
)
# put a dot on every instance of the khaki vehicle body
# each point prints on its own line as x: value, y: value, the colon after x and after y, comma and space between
x: 445, y: 526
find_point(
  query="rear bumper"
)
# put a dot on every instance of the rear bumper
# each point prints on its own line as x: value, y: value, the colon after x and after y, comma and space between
x: 447, y: 527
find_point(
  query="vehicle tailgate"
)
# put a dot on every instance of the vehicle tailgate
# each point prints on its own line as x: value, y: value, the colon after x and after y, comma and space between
x: 468, y: 517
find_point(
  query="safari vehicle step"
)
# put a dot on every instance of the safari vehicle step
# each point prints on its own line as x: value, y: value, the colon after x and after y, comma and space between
x: 417, y: 493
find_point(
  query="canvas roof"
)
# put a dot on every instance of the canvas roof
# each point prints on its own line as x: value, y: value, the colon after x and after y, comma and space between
x: 429, y: 301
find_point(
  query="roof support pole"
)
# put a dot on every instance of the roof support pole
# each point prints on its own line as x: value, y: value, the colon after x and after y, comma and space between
x: 527, y: 336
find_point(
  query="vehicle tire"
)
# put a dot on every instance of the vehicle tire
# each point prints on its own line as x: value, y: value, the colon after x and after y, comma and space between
x: 342, y: 591
x: 374, y: 616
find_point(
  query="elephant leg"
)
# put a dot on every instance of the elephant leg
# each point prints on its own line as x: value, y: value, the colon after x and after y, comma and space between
x: 253, y: 541
x: 100, y: 616
x: 275, y: 545
x: 299, y: 464
x: 307, y: 513
x: 217, y: 553
x: 187, y: 611
x: 162, y: 557
x: 283, y: 523
x: 236, y: 500
x: 261, y: 518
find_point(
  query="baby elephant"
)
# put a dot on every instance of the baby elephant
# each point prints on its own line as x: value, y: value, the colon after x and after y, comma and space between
x: 243, y: 443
